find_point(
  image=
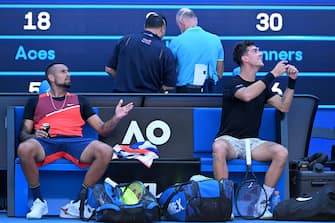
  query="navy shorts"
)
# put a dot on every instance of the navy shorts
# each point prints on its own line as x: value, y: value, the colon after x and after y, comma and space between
x: 69, y: 148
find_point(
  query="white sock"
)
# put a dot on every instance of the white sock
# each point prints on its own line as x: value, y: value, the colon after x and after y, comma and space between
x: 268, y: 191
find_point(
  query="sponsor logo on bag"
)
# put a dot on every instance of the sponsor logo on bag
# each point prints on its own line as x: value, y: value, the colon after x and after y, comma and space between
x: 175, y: 207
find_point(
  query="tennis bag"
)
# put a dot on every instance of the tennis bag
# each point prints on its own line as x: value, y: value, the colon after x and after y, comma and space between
x: 205, y: 200
x: 318, y: 206
x: 123, y: 203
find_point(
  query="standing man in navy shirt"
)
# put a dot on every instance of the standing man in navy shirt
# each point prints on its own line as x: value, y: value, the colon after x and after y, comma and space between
x: 141, y: 63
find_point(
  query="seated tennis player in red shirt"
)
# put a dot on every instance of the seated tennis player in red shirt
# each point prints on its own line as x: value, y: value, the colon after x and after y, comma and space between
x: 66, y: 113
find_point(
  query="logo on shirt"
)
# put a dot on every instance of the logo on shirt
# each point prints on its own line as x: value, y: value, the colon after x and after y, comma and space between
x: 239, y: 86
x: 146, y: 41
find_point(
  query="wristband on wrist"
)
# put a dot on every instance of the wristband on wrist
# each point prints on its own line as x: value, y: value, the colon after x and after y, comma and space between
x: 267, y: 79
x: 291, y: 83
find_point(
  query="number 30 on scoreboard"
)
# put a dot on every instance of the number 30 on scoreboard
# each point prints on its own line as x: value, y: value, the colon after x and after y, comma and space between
x: 272, y: 22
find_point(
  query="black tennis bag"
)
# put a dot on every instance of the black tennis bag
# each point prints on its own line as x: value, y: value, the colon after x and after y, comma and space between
x: 205, y: 200
x: 314, y: 162
x: 318, y: 206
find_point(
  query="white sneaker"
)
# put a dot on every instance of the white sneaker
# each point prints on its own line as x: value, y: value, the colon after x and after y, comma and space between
x: 267, y: 215
x: 71, y: 210
x: 260, y: 208
x: 38, y: 209
x: 232, y: 217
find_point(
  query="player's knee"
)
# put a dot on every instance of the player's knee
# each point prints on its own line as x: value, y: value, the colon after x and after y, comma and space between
x: 25, y: 150
x: 281, y: 153
x: 220, y: 149
x: 103, y: 153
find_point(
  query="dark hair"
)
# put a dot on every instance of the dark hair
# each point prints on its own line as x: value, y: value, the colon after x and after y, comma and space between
x: 240, y: 49
x: 155, y: 20
x: 49, y: 69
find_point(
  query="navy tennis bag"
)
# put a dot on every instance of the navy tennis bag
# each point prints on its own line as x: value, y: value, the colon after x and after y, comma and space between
x: 124, y: 203
x: 204, y: 200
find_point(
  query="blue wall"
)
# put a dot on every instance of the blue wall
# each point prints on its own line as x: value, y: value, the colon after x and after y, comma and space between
x: 83, y: 33
x: 323, y: 135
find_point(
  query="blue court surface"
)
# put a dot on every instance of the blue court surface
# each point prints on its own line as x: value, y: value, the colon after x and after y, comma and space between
x: 47, y: 219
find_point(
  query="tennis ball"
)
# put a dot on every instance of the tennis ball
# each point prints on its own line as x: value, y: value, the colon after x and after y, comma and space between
x: 129, y: 197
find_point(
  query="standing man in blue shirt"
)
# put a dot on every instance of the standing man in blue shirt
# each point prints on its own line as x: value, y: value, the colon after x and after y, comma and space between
x: 141, y: 63
x: 199, y: 55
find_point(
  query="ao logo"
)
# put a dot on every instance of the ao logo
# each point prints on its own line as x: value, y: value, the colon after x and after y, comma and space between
x: 134, y: 131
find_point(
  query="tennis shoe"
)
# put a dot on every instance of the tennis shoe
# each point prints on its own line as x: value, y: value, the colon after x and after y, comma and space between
x: 260, y: 209
x: 232, y: 217
x: 267, y: 215
x: 38, y: 209
x: 71, y: 210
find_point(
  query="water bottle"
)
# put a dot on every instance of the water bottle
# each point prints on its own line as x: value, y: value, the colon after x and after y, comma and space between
x: 275, y: 199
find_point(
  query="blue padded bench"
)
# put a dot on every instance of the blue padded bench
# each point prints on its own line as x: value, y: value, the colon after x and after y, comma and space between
x: 60, y: 180
x: 206, y: 124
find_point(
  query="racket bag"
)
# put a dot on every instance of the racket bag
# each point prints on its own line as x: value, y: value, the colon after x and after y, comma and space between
x: 205, y: 200
x: 317, y: 206
x: 120, y: 205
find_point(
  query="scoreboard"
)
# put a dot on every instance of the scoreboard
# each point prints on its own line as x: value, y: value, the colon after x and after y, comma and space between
x: 83, y: 35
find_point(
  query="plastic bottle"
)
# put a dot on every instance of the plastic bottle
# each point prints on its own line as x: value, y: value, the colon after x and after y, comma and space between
x: 275, y: 199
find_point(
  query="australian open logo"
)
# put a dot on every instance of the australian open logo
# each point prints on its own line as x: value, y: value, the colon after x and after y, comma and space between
x: 175, y: 207
x: 135, y: 131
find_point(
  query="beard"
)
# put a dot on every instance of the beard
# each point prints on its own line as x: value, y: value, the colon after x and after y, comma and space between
x: 65, y: 84
x: 68, y: 85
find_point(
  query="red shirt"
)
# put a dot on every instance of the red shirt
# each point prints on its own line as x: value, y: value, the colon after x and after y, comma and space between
x: 66, y: 115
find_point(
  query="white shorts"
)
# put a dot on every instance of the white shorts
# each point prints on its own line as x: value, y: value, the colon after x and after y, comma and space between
x: 238, y: 145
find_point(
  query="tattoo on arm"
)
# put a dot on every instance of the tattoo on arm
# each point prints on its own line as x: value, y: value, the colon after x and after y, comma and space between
x: 24, y: 134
